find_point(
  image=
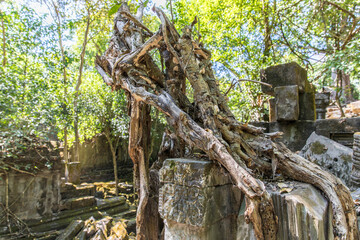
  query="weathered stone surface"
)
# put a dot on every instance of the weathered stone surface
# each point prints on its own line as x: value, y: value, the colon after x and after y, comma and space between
x: 199, y: 212
x: 307, y: 109
x: 302, y: 212
x: 330, y: 155
x: 71, y: 231
x: 296, y: 133
x: 326, y: 127
x: 287, y: 103
x: 322, y: 102
x: 75, y: 191
x: 193, y: 173
x: 355, y: 107
x: 355, y: 173
x: 272, y: 110
x: 118, y: 232
x: 284, y: 75
x: 197, y: 200
x: 74, y: 172
x: 197, y: 206
x: 32, y: 197
x: 77, y: 203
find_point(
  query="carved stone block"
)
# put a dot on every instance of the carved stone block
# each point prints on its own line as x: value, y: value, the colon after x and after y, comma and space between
x: 197, y: 200
x: 287, y: 103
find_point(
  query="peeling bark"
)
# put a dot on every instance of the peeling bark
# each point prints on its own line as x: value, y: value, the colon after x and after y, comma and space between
x: 207, y: 123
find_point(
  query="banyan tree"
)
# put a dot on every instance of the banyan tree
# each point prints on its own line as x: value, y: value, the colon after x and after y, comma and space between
x: 205, y: 124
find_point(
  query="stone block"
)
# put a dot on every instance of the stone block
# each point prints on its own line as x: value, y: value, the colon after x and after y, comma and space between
x: 326, y: 127
x: 272, y: 110
x: 302, y: 211
x: 287, y: 103
x: 199, y: 207
x: 330, y: 155
x: 355, y: 107
x: 33, y: 196
x: 77, y: 203
x: 307, y: 108
x: 322, y: 102
x: 284, y: 75
x: 75, y: 191
x: 193, y: 173
x: 74, y: 172
x: 197, y: 201
x: 71, y: 231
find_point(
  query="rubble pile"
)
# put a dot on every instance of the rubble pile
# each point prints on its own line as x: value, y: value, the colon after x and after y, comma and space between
x: 105, y: 228
x: 351, y: 110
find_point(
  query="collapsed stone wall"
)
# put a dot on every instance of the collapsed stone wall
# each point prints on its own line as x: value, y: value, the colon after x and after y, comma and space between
x: 31, y: 197
x: 96, y: 162
x: 295, y: 133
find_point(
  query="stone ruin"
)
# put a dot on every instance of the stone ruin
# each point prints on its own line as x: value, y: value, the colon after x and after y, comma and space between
x: 294, y: 95
x: 197, y: 199
x: 298, y: 111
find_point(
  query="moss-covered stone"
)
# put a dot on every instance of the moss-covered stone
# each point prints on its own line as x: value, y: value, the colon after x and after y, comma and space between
x: 318, y: 148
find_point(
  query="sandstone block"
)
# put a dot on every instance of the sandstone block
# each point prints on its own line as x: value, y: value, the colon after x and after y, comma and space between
x: 197, y: 200
x: 330, y: 155
x: 287, y: 103
x: 302, y: 211
x: 284, y: 75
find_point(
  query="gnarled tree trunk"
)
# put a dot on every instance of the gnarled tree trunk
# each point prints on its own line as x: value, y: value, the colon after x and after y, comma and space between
x: 207, y: 123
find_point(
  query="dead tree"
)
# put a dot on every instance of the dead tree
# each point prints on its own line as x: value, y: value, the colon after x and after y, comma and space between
x: 206, y: 123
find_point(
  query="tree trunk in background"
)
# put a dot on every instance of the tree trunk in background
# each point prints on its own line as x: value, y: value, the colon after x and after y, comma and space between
x: 339, y: 90
x: 66, y: 155
x: 207, y: 124
x: 113, y: 155
x: 57, y: 18
x: 3, y: 40
x: 267, y: 30
x: 347, y: 87
x: 77, y: 89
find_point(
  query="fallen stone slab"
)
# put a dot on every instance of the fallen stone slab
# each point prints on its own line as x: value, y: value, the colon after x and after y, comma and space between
x: 72, y: 230
x: 75, y: 191
x: 303, y: 213
x: 63, y: 219
x: 77, y: 203
x: 329, y: 155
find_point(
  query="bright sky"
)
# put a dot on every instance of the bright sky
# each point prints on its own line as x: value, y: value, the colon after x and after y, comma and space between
x: 42, y: 8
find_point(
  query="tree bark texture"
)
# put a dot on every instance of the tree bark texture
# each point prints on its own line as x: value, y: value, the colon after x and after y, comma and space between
x: 207, y: 123
x: 139, y: 145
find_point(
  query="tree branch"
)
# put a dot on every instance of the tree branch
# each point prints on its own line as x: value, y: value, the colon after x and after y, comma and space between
x: 342, y: 9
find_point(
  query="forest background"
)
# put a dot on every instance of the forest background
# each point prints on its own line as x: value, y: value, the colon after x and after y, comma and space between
x: 49, y: 87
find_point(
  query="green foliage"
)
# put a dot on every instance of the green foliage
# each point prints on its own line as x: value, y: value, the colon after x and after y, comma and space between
x: 234, y: 33
x: 27, y: 96
x: 244, y: 36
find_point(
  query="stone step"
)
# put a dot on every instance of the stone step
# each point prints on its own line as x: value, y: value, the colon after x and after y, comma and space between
x: 128, y: 215
x: 72, y: 230
x: 63, y: 219
x: 131, y: 226
x: 77, y: 203
x: 74, y: 191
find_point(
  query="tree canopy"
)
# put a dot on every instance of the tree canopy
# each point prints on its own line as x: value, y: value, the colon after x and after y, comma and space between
x: 243, y: 36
